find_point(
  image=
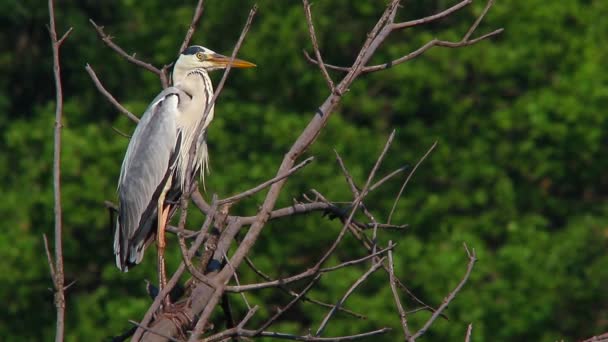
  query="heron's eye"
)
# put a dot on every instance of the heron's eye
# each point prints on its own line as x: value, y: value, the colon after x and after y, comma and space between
x: 200, y: 56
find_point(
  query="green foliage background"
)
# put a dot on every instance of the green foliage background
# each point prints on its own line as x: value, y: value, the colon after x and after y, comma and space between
x: 519, y: 172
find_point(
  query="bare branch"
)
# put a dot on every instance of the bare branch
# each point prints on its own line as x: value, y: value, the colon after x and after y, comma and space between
x: 479, y: 19
x: 57, y: 272
x: 131, y: 58
x: 315, y: 46
x: 426, y: 20
x: 109, y: 96
x: 347, y: 294
x: 306, y: 274
x: 235, y: 332
x: 467, y: 337
x: 465, y: 41
x: 447, y: 300
x: 386, y: 178
x: 288, y: 306
x: 222, y: 336
x: 408, y: 179
x: 294, y: 294
x: 49, y: 258
x: 392, y: 280
x: 198, y: 12
x: 253, y: 191
x: 236, y: 280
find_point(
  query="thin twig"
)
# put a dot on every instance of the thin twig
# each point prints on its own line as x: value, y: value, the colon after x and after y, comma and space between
x: 386, y: 178
x: 236, y: 280
x: 347, y: 294
x: 288, y: 306
x: 390, y: 216
x: 198, y: 12
x: 467, y: 337
x: 253, y: 191
x: 49, y: 258
x: 222, y: 336
x: 426, y: 20
x: 306, y: 274
x: 447, y: 300
x: 402, y: 315
x: 235, y: 332
x: 465, y: 41
x: 294, y: 294
x: 315, y: 46
x: 107, y: 39
x: 109, y: 96
x: 57, y: 272
x: 479, y: 19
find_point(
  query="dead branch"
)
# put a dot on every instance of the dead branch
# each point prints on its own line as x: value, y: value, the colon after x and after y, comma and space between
x: 467, y: 337
x: 409, y: 176
x: 447, y: 300
x: 315, y: 46
x: 289, y: 305
x: 107, y: 39
x: 57, y: 272
x: 294, y: 294
x: 392, y: 280
x: 109, y: 96
x: 283, y: 336
x: 347, y: 294
x: 306, y: 274
x: 429, y: 19
x: 391, y: 26
x: 198, y: 12
x: 253, y: 191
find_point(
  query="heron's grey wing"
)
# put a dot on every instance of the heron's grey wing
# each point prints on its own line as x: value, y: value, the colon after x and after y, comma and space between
x: 145, y: 166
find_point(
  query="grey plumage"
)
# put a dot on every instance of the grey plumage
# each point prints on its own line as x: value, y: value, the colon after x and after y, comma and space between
x: 155, y: 163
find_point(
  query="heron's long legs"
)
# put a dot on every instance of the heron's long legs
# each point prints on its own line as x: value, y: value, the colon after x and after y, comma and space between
x: 163, y: 216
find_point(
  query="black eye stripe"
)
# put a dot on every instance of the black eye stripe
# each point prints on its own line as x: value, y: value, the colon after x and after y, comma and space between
x: 193, y: 50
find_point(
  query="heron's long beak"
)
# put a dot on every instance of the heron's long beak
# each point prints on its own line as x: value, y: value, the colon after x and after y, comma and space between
x: 223, y: 61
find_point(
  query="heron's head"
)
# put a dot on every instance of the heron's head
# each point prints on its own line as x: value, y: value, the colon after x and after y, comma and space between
x: 198, y: 57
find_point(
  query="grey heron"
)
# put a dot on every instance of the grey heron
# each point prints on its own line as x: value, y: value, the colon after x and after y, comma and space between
x: 153, y: 173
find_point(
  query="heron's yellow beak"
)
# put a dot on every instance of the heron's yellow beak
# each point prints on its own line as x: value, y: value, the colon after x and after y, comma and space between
x: 223, y: 61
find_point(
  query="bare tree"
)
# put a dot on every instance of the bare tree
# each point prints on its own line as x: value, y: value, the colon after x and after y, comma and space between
x: 189, y: 318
